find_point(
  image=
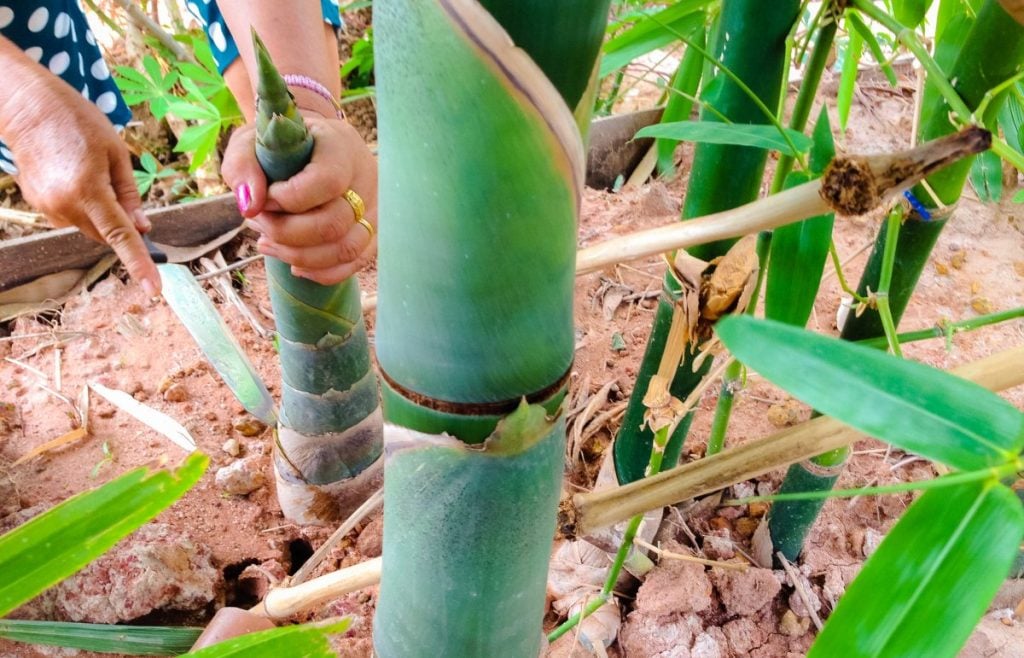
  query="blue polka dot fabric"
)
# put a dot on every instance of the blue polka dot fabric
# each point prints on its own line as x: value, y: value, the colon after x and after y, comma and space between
x: 221, y: 42
x: 56, y: 34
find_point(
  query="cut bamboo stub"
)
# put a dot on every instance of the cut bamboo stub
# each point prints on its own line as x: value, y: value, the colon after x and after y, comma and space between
x: 852, y: 185
x: 586, y: 512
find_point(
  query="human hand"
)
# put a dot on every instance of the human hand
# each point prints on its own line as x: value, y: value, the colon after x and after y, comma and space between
x: 74, y: 168
x: 306, y: 220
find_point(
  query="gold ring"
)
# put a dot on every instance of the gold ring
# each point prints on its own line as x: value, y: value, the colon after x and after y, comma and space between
x: 356, y: 201
x: 367, y: 225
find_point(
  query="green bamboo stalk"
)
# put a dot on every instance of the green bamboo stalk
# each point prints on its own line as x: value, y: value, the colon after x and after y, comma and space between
x: 977, y: 68
x: 481, y: 175
x: 751, y: 43
x: 329, y: 438
x: 681, y: 96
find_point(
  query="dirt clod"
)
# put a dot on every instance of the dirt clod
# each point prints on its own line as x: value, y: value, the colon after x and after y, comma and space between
x: 371, y: 539
x: 674, y: 586
x: 176, y: 393
x: 744, y: 593
x: 792, y: 625
x: 249, y: 426
x: 241, y: 477
x: 232, y: 447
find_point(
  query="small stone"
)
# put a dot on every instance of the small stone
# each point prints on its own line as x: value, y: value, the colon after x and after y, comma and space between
x: 720, y: 523
x: 717, y: 547
x: 982, y: 305
x: 176, y: 393
x: 784, y: 414
x: 249, y: 426
x: 746, y: 526
x: 792, y: 625
x: 975, y: 287
x: 758, y: 510
x: 241, y: 477
x: 941, y: 268
x: 958, y: 259
x: 232, y: 447
x: 370, y: 542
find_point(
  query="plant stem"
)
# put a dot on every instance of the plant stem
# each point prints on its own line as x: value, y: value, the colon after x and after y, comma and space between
x: 843, y: 284
x: 885, y: 280
x: 948, y: 329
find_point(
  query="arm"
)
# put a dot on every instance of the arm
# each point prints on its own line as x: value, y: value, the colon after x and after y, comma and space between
x: 72, y: 165
x: 304, y: 221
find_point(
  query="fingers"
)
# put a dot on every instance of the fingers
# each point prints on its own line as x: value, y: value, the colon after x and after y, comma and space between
x: 242, y: 173
x: 127, y: 192
x: 336, y: 274
x: 329, y: 223
x: 117, y: 229
x: 319, y: 242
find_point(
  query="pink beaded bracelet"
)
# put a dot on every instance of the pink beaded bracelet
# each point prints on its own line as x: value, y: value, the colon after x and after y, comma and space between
x: 306, y: 82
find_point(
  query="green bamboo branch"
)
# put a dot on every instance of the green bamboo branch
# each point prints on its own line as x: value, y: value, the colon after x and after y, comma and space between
x: 885, y: 279
x: 843, y: 283
x: 948, y: 329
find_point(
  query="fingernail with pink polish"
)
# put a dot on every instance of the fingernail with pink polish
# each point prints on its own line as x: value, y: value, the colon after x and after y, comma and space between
x: 244, y: 197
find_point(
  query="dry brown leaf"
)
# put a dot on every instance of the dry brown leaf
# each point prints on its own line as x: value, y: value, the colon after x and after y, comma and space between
x: 69, y: 437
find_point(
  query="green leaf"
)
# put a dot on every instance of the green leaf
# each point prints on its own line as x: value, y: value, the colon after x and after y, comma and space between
x: 1011, y: 119
x: 199, y: 140
x: 922, y: 592
x: 795, y: 263
x: 1018, y: 196
x: 62, y: 540
x: 652, y: 32
x: 143, y: 181
x: 148, y: 162
x: 987, y: 177
x: 910, y: 405
x: 910, y: 12
x: 854, y: 21
x: 848, y: 79
x: 102, y: 638
x: 824, y: 149
x: 307, y: 640
x: 737, y: 134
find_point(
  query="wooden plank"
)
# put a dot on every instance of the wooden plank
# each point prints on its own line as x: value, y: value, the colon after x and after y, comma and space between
x: 25, y: 259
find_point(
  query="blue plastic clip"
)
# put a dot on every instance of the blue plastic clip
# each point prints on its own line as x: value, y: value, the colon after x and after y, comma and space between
x: 918, y: 207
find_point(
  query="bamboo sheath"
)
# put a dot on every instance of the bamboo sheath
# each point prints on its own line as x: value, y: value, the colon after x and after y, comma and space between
x: 585, y: 513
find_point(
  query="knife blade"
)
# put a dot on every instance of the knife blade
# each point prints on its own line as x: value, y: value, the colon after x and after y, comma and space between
x: 194, y: 309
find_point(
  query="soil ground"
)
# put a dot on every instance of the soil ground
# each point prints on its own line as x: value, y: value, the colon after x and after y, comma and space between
x: 114, y: 335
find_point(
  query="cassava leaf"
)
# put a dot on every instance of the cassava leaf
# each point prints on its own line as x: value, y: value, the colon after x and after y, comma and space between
x: 922, y: 592
x: 908, y: 404
x: 307, y: 640
x: 62, y: 540
x: 738, y: 134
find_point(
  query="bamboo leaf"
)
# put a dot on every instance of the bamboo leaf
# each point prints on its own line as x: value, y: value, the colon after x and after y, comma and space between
x: 653, y: 32
x: 848, y: 79
x: 307, y: 640
x: 910, y: 12
x: 939, y: 568
x: 62, y: 540
x: 102, y: 638
x: 824, y: 149
x: 736, y: 134
x: 987, y: 177
x: 156, y: 420
x: 908, y: 404
x: 796, y: 260
x: 869, y: 38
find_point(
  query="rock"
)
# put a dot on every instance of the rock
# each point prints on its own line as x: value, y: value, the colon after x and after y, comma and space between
x: 176, y: 393
x: 674, y: 586
x: 232, y: 447
x: 743, y: 635
x: 10, y: 501
x: 744, y: 593
x: 241, y: 477
x: 370, y: 542
x: 643, y: 635
x: 793, y: 626
x: 710, y: 644
x: 156, y: 568
x: 784, y: 414
x: 249, y: 427
x: 717, y: 547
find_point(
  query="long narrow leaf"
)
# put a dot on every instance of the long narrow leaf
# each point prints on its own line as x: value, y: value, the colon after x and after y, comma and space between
x: 987, y: 177
x: 854, y: 21
x: 736, y: 134
x: 908, y: 404
x: 848, y: 79
x: 308, y: 641
x: 102, y: 638
x: 922, y: 592
x: 653, y: 32
x: 62, y: 540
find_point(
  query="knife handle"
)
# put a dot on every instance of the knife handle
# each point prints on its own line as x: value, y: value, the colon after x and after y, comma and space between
x: 158, y: 256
